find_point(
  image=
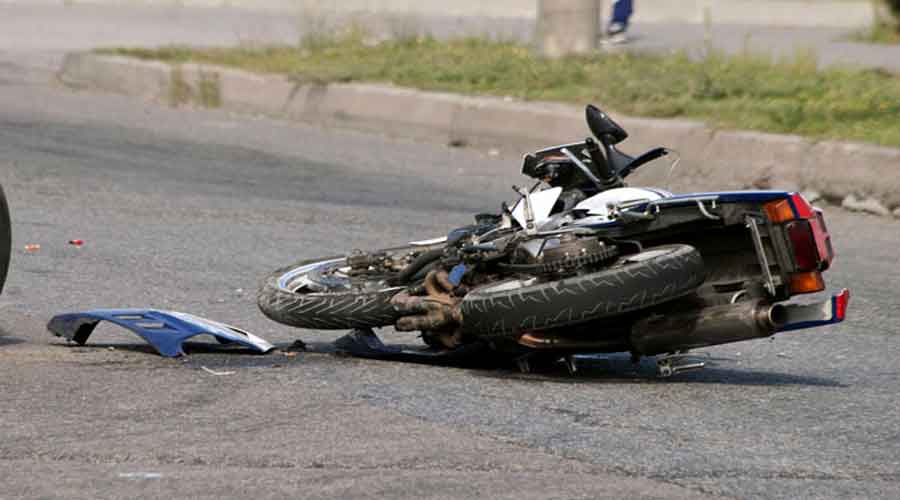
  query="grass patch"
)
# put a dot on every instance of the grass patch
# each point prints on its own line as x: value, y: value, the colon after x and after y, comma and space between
x: 206, y: 91
x: 745, y: 91
x: 179, y: 89
x: 209, y: 90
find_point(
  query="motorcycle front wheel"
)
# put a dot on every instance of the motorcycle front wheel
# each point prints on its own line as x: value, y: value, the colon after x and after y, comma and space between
x: 320, y: 294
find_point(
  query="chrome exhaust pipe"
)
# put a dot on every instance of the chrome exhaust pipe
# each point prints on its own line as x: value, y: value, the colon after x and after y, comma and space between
x: 705, y: 327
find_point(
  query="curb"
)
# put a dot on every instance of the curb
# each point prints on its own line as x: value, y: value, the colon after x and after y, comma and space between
x: 859, y: 176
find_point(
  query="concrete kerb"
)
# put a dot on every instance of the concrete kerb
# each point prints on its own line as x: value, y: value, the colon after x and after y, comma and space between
x: 711, y: 160
x: 841, y: 169
x: 145, y: 79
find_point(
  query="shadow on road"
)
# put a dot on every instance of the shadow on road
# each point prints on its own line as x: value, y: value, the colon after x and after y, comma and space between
x: 615, y: 369
x: 617, y: 373
x: 8, y: 340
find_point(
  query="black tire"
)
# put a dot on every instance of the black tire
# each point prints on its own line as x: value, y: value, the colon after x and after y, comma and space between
x: 652, y: 277
x: 325, y: 310
x: 5, y: 239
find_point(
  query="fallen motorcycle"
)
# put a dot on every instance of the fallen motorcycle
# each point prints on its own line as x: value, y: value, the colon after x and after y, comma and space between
x: 580, y: 264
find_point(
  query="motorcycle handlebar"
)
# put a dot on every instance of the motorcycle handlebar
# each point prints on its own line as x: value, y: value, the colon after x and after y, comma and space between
x: 601, y: 164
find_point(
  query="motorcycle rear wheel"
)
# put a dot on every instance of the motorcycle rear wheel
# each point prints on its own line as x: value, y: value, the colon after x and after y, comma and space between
x: 509, y: 308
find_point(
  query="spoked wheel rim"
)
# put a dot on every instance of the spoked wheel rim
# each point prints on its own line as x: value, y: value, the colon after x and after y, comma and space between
x: 324, y: 277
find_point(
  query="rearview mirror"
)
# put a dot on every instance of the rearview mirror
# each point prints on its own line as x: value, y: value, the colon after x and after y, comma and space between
x: 603, y: 127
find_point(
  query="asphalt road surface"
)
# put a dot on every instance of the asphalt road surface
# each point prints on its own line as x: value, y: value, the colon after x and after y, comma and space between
x: 188, y: 210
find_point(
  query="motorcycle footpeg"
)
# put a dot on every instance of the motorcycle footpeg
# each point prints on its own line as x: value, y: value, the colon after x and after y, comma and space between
x: 673, y: 365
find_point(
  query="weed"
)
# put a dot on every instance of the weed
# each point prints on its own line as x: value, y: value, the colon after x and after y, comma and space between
x: 179, y: 89
x: 209, y: 89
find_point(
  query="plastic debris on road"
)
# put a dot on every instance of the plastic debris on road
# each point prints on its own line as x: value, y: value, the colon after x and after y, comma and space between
x: 214, y: 372
x: 140, y: 475
x: 164, y: 330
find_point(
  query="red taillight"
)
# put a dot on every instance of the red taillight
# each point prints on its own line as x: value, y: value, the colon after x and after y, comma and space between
x: 823, y: 240
x: 802, y: 207
x: 806, y: 256
x: 805, y: 227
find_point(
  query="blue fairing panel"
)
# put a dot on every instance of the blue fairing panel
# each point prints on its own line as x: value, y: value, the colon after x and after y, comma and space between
x: 737, y: 196
x: 164, y: 330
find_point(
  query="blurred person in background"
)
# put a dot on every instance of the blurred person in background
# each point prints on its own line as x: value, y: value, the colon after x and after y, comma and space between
x: 618, y: 23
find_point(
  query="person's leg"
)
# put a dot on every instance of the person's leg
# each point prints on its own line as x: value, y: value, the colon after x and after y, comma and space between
x: 622, y: 11
x: 618, y: 23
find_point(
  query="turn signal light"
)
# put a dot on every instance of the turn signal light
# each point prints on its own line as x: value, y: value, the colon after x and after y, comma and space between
x: 779, y: 211
x: 794, y: 207
x: 807, y: 282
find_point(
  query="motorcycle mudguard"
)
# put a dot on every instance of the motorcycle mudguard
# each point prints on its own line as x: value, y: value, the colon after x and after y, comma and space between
x: 829, y: 312
x: 164, y: 330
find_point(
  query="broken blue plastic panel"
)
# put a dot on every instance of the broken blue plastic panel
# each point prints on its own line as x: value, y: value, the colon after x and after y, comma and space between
x: 164, y: 330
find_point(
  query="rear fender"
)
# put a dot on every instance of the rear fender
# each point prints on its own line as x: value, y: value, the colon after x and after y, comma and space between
x: 801, y: 316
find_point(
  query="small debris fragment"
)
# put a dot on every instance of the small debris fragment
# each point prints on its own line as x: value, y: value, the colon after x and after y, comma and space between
x: 140, y: 475
x: 494, y: 152
x: 213, y: 372
x: 868, y: 205
x: 110, y: 348
x: 239, y: 291
x: 76, y: 243
x: 783, y: 355
x: 32, y: 247
x: 288, y: 354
